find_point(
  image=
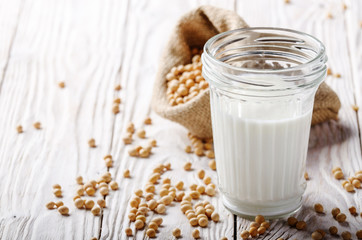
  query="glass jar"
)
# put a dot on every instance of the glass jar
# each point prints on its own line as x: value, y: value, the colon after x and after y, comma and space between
x: 262, y: 87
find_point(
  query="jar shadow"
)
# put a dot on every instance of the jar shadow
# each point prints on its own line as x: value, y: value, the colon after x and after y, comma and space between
x: 328, y: 133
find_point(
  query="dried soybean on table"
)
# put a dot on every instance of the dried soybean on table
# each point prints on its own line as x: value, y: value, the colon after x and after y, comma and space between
x: 94, y: 45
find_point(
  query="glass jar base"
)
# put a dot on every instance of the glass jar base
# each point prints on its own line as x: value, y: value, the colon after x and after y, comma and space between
x: 249, y: 211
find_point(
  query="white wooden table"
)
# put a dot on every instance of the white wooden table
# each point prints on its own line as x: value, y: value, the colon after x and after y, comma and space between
x: 94, y: 45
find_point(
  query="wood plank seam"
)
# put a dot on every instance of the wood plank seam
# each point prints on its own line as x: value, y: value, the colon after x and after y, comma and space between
x: 108, y: 168
x: 11, y: 44
x: 119, y: 74
x: 235, y: 232
x: 114, y: 120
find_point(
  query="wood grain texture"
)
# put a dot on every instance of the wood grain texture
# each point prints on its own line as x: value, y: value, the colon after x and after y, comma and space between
x: 333, y: 143
x: 94, y: 45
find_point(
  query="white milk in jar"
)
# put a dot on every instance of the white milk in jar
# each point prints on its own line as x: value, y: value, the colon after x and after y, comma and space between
x: 260, y: 161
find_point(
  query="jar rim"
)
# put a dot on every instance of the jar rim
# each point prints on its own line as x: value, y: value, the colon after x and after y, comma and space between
x: 212, y: 40
x: 290, y: 60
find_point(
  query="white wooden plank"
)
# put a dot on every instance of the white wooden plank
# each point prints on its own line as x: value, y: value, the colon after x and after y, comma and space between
x: 82, y: 43
x: 334, y: 143
x: 147, y: 33
x: 73, y: 41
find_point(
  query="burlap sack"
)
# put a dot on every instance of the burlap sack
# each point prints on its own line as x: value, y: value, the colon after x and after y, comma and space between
x: 326, y: 105
x: 193, y: 30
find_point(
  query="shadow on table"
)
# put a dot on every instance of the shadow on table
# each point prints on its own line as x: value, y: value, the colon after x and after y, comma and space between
x: 328, y: 133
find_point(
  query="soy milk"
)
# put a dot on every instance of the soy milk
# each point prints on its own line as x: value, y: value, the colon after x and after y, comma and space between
x: 260, y: 152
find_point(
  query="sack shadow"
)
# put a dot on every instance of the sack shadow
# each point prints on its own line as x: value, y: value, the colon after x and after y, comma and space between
x: 328, y: 133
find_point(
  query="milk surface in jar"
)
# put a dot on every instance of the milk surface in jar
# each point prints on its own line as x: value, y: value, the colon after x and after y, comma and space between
x: 262, y: 86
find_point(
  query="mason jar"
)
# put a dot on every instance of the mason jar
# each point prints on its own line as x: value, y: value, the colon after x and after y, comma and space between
x: 262, y: 87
